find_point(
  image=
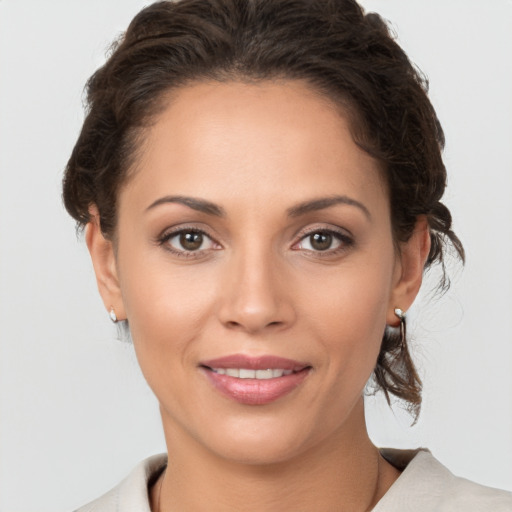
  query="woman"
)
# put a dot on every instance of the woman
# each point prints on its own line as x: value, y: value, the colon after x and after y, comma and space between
x: 260, y: 183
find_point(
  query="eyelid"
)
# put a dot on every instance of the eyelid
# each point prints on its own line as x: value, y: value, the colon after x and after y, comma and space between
x: 171, y: 232
x: 187, y: 227
x: 343, y: 235
x: 325, y: 228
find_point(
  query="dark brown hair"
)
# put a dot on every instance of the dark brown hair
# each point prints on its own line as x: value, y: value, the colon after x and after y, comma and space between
x: 331, y: 44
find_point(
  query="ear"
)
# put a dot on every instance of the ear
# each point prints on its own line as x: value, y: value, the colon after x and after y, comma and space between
x: 409, y: 270
x: 104, y: 262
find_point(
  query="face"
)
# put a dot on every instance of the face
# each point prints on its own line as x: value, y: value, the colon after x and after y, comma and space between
x: 256, y: 267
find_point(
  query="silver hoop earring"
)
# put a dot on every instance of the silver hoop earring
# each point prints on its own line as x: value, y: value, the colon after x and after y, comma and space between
x: 113, y: 315
x: 401, y: 316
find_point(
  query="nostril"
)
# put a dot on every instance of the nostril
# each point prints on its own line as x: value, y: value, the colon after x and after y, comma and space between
x: 238, y: 325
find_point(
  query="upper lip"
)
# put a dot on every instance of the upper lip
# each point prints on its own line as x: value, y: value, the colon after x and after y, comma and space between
x: 263, y: 362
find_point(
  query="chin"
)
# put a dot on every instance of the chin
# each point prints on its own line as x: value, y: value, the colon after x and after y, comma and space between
x: 259, y: 442
x: 259, y: 452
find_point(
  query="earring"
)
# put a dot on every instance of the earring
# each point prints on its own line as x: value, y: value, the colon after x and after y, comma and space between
x: 113, y: 315
x: 401, y: 316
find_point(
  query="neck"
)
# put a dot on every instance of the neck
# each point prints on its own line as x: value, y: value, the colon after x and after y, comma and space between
x: 344, y: 472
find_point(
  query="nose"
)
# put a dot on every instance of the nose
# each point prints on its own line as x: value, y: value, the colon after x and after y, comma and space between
x: 256, y: 296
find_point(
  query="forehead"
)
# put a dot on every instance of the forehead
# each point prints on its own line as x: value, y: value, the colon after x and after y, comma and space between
x: 254, y: 140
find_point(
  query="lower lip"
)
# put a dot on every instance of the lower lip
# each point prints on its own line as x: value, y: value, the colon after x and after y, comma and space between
x: 256, y: 391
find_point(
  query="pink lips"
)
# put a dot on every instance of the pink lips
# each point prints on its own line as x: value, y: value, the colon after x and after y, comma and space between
x: 253, y: 391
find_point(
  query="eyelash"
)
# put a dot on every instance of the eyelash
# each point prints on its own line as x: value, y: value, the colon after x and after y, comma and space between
x: 163, y: 240
x: 345, y: 240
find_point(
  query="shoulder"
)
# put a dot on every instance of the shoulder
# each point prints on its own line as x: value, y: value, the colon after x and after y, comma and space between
x: 131, y: 495
x: 426, y: 485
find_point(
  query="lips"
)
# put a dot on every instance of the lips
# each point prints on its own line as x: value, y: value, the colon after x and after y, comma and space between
x: 255, y: 380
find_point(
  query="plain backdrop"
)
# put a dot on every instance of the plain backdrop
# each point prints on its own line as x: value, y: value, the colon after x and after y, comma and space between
x: 75, y: 413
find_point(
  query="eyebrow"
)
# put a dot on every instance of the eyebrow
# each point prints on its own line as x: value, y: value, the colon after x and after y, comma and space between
x: 326, y: 202
x: 200, y: 205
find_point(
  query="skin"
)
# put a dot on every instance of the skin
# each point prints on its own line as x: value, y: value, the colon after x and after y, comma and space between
x: 258, y: 286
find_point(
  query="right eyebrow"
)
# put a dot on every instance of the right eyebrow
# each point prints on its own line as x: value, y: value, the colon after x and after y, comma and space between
x: 200, y: 205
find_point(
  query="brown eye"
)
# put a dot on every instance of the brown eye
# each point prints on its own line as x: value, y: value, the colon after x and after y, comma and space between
x: 191, y: 241
x: 188, y: 241
x: 321, y: 241
x: 327, y: 241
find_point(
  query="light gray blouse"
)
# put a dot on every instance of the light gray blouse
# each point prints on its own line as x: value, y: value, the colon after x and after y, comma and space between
x: 425, y: 485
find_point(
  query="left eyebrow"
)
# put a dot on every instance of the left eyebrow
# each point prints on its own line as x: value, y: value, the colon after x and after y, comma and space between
x: 326, y: 202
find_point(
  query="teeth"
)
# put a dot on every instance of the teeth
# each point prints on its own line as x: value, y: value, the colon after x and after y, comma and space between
x: 265, y: 374
x: 245, y: 373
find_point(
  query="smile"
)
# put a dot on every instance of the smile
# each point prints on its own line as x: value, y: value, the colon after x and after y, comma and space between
x: 255, y: 380
x: 246, y: 373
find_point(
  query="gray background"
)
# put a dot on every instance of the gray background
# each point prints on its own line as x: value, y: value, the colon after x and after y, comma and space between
x: 75, y: 414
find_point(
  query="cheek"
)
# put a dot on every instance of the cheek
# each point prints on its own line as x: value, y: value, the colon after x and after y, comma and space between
x: 166, y: 309
x: 348, y: 315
